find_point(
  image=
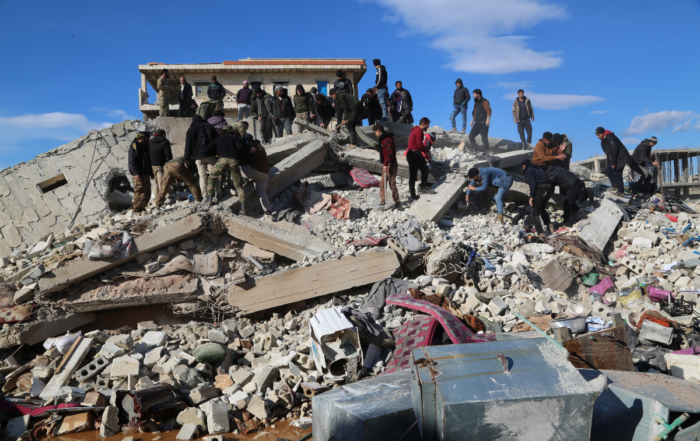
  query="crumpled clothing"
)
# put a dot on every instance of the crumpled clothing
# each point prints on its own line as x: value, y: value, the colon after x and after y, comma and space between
x: 384, y: 288
x: 312, y: 201
x: 370, y: 331
x: 404, y: 234
x: 340, y: 209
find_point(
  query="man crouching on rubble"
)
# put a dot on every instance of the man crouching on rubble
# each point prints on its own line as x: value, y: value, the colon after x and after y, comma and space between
x: 141, y: 170
x: 173, y: 170
x: 490, y: 176
x: 541, y: 189
x: 387, y: 156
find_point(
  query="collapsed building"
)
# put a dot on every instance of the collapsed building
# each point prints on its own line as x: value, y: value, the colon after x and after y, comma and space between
x: 339, y: 319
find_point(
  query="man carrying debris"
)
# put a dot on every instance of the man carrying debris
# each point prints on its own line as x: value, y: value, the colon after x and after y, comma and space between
x: 541, y: 189
x: 257, y: 169
x: 198, y: 137
x: 547, y: 151
x: 218, y: 121
x: 141, y: 171
x: 401, y: 104
x: 380, y: 87
x: 160, y: 152
x: 390, y: 167
x: 177, y: 169
x: 243, y: 97
x: 261, y: 110
x: 230, y: 149
x: 164, y: 93
x: 416, y: 155
x: 642, y: 156
x: 481, y: 120
x: 460, y: 102
x: 216, y: 93
x: 342, y: 84
x: 522, y: 115
x: 184, y: 98
x: 618, y: 158
x: 205, y: 110
x: 352, y: 112
x: 325, y: 110
x: 490, y: 176
x: 302, y: 104
x: 282, y: 112
x: 571, y: 186
x: 371, y: 109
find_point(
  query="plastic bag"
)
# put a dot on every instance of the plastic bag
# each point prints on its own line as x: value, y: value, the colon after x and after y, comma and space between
x: 63, y: 344
x: 118, y: 250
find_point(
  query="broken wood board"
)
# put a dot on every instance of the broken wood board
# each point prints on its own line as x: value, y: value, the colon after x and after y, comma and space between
x: 433, y: 206
x: 607, y: 349
x: 82, y: 269
x: 603, y: 223
x: 142, y: 291
x: 71, y: 364
x: 286, y: 239
x: 314, y: 281
x: 202, y: 264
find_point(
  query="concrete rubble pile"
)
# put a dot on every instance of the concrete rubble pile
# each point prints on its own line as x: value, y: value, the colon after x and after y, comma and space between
x: 193, y: 319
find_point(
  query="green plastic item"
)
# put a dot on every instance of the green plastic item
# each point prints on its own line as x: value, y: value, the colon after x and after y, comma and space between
x: 591, y: 279
x: 209, y: 353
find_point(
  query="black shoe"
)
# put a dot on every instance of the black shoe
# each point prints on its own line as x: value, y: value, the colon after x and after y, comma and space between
x: 413, y: 197
x: 243, y: 212
x: 426, y: 190
x: 396, y: 206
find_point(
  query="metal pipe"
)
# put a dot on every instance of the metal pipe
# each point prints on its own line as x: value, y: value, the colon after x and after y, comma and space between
x: 668, y: 428
x: 255, y: 262
x: 565, y: 351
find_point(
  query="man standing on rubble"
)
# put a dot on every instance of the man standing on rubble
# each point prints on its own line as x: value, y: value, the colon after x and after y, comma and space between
x: 198, y: 137
x: 618, y: 158
x: 184, y: 98
x: 216, y: 93
x: 324, y: 110
x: 390, y: 167
x: 490, y: 176
x: 160, y: 152
x: 381, y: 89
x: 522, y: 115
x: 230, y: 149
x: 541, y: 190
x: 282, y: 112
x: 257, y: 169
x: 416, y: 155
x: 547, y: 151
x: 177, y: 169
x: 642, y: 156
x: 164, y: 93
x: 243, y: 97
x: 460, y: 101
x: 341, y: 84
x: 371, y: 109
x: 302, y: 104
x: 481, y: 120
x: 141, y: 171
x: 572, y: 187
x: 261, y: 110
x: 401, y: 105
x: 352, y: 112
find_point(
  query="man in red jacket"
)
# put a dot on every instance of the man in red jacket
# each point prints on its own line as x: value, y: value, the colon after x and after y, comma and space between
x: 415, y: 155
x: 387, y: 156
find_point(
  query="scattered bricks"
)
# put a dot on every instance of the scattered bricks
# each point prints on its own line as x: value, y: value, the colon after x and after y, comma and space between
x: 125, y: 366
x: 80, y: 422
x: 188, y: 432
x: 153, y: 356
x: 247, y: 331
x: 101, y: 383
x: 250, y: 388
x: 187, y: 358
x: 223, y: 381
x: 602, y: 311
x: 217, y: 336
x: 147, y: 326
x: 94, y: 399
x: 193, y: 415
x: 674, y: 276
x: 642, y: 243
x: 188, y: 378
x: 203, y: 393
x: 258, y: 407
x: 42, y: 372
x: 110, y: 350
x: 24, y: 295
x: 209, y: 353
x: 91, y: 369
x: 633, y: 265
x: 497, y: 306
x: 265, y: 375
x: 110, y: 422
x: 187, y: 245
x: 217, y: 417
x: 124, y: 341
x: 682, y: 282
x: 443, y: 289
x: 162, y: 256
x: 241, y: 376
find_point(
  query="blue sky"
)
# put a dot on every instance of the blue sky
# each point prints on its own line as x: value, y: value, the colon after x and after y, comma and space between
x: 630, y: 66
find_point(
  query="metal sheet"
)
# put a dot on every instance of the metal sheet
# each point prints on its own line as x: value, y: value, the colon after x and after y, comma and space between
x: 604, y: 221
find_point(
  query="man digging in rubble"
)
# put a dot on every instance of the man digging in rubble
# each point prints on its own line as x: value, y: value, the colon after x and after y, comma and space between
x: 618, y: 158
x: 547, y: 151
x: 490, y: 176
x: 481, y: 120
x: 325, y: 110
x: 571, y: 186
x: 164, y: 93
x: 174, y: 170
x: 541, y: 189
x: 416, y: 155
x: 140, y: 169
x: 230, y: 148
x: 642, y: 156
x: 341, y: 84
x: 352, y: 112
x: 390, y: 167
x: 261, y: 110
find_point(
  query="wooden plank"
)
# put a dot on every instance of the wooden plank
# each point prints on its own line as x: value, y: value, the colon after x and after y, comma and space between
x: 62, y: 377
x: 433, y: 206
x: 607, y: 349
x: 309, y: 282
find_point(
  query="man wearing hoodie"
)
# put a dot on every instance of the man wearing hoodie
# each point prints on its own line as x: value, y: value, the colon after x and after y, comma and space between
x: 230, y: 149
x: 351, y: 113
x: 217, y: 121
x: 324, y: 110
x: 243, y: 97
x: 282, y: 112
x: 618, y: 158
x: 302, y: 103
x: 481, y: 120
x: 341, y: 84
x: 522, y: 115
x: 547, y: 150
x: 571, y: 186
x: 262, y: 111
x: 216, y: 93
x: 642, y: 156
x: 416, y: 155
x: 141, y: 171
x: 176, y: 169
x: 371, y: 109
x: 390, y: 167
x: 198, y: 137
x: 401, y: 105
x: 460, y: 102
x: 160, y: 152
x: 380, y: 87
x: 541, y: 190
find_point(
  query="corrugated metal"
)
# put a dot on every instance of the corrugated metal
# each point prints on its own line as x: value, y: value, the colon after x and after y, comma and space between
x: 329, y: 321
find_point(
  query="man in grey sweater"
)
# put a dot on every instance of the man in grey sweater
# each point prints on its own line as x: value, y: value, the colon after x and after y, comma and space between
x: 460, y: 103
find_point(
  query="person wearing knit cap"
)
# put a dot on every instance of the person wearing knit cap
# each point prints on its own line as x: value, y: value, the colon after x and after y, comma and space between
x: 547, y: 151
x: 460, y: 102
x: 481, y: 120
x: 642, y: 156
x: 541, y: 190
x: 342, y: 84
x: 522, y: 115
x: 381, y: 89
x: 618, y: 158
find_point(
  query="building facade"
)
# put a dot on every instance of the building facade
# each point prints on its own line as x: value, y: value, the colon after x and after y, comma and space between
x: 260, y: 72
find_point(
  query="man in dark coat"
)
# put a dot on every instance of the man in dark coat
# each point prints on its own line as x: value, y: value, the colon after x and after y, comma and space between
x: 141, y: 171
x: 571, y: 187
x: 260, y: 109
x: 460, y: 101
x: 184, y: 98
x: 341, y: 84
x: 216, y: 93
x: 352, y: 112
x: 198, y: 137
x: 642, y: 156
x: 401, y: 105
x: 160, y: 152
x: 325, y: 110
x: 371, y: 108
x: 618, y: 158
x: 541, y: 190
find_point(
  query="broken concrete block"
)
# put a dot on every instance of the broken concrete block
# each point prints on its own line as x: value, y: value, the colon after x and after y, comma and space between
x: 124, y: 366
x: 144, y: 383
x: 223, y: 381
x: 152, y: 267
x: 642, y: 243
x: 94, y: 399
x: 602, y: 225
x: 188, y: 432
x: 16, y: 427
x: 25, y: 294
x: 187, y: 245
x: 92, y: 369
x: 258, y: 407
x: 110, y: 422
x: 80, y: 422
x: 497, y: 306
x: 258, y: 254
x: 155, y: 338
x: 265, y: 375
x: 247, y: 331
x: 193, y: 415
x: 217, y: 336
x: 188, y: 378
x: 38, y: 387
x: 242, y: 376
x: 203, y: 393
x: 250, y: 388
x: 162, y: 256
x: 124, y: 341
x: 186, y: 358
x: 217, y: 417
x: 682, y: 282
x: 152, y: 356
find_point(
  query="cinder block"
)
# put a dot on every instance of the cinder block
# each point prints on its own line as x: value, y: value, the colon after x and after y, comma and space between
x: 91, y: 369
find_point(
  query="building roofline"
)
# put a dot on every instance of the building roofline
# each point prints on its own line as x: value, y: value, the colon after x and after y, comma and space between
x: 263, y: 62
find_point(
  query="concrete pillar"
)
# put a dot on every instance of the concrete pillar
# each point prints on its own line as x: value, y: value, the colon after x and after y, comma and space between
x: 676, y: 171
x: 596, y: 165
x: 686, y: 176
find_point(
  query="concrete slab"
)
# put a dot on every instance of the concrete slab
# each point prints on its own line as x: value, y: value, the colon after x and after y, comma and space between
x: 433, y: 206
x: 296, y: 167
x: 314, y: 281
x: 149, y: 242
x: 603, y: 223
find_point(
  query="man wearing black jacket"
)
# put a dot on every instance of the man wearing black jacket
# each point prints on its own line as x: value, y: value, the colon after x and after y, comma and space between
x: 160, y: 152
x: 371, y: 109
x: 460, y: 101
x: 381, y: 89
x: 325, y: 110
x: 541, y: 190
x: 141, y: 171
x: 618, y: 158
x: 569, y: 185
x: 642, y: 156
x: 216, y: 93
x: 342, y: 84
x: 401, y: 103
x: 282, y: 112
x: 261, y: 109
x: 198, y: 137
x: 351, y: 113
x: 184, y: 97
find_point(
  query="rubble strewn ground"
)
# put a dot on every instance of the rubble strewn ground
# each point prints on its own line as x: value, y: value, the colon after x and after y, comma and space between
x: 223, y: 369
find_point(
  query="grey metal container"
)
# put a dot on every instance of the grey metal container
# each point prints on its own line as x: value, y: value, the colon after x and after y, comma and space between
x: 524, y: 390
x: 378, y: 409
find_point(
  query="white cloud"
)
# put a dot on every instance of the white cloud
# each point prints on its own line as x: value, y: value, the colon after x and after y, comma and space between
x: 598, y: 112
x: 477, y: 35
x: 121, y: 114
x: 558, y: 102
x: 53, y: 120
x: 677, y: 120
x: 525, y: 85
x: 629, y: 141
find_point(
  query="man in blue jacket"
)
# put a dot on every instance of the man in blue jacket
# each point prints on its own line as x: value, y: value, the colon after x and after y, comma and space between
x: 541, y: 189
x: 490, y: 176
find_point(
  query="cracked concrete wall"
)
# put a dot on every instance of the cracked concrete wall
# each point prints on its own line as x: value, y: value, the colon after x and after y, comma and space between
x: 27, y: 214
